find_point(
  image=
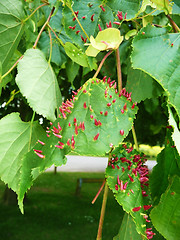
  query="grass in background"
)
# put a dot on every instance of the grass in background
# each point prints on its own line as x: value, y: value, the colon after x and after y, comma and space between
x: 54, y: 212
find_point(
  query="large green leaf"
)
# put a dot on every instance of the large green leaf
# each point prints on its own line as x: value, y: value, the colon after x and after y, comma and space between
x: 37, y: 82
x: 127, y: 178
x: 11, y: 28
x: 165, y: 217
x: 104, y: 113
x: 142, y: 85
x: 167, y: 167
x: 128, y: 230
x: 77, y: 130
x: 162, y: 63
x: 16, y: 139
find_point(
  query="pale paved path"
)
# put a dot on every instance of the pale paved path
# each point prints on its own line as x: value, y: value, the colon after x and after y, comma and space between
x: 88, y: 164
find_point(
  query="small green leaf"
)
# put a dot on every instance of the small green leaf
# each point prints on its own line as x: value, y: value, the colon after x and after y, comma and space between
x: 105, y: 40
x: 37, y: 82
x: 130, y: 33
x: 165, y: 216
x: 128, y: 230
x: 76, y: 54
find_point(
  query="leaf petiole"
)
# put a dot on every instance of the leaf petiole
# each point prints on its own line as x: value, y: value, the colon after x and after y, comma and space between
x: 42, y: 29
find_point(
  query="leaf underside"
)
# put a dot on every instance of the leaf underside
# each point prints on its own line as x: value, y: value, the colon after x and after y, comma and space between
x: 37, y: 82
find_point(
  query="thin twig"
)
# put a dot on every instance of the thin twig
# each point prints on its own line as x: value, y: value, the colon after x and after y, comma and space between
x: 11, y: 68
x: 103, y: 208
x: 45, y: 4
x: 61, y: 42
x: 50, y: 43
x: 97, y: 195
x: 42, y: 29
x: 79, y: 23
x: 147, y: 14
x: 101, y: 64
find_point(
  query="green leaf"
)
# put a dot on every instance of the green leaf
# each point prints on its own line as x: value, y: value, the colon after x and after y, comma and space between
x: 129, y: 7
x: 128, y: 229
x: 71, y: 70
x: 162, y: 63
x: 33, y: 165
x: 11, y: 28
x: 167, y: 167
x: 126, y: 166
x: 130, y: 33
x: 68, y: 134
x: 176, y: 7
x: 144, y: 4
x: 96, y: 100
x: 176, y: 133
x: 58, y: 56
x: 16, y: 139
x: 142, y: 85
x: 37, y: 82
x: 105, y: 40
x: 86, y: 9
x: 76, y: 54
x: 165, y: 5
x: 165, y: 217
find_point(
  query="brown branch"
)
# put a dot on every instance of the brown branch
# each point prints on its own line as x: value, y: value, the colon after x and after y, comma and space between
x: 42, y: 29
x: 173, y: 24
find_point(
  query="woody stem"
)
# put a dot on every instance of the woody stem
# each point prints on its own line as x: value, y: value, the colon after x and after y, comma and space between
x: 119, y: 74
x: 101, y: 64
x: 103, y: 208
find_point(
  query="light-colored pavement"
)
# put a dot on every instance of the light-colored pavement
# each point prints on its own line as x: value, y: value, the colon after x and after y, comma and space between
x: 88, y: 164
